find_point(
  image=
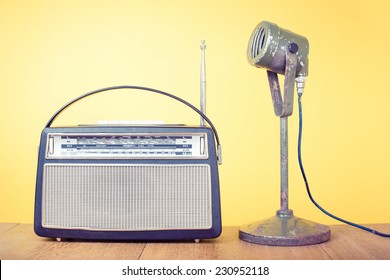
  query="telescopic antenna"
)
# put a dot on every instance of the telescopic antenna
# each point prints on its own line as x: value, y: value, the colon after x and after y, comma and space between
x: 202, y: 82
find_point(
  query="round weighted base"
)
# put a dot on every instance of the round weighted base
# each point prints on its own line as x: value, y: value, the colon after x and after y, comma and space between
x: 284, y: 229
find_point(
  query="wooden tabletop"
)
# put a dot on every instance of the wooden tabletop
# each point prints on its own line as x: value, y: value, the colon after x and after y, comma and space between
x: 18, y: 241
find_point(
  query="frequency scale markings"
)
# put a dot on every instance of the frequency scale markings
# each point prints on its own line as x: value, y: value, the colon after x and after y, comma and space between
x: 149, y: 146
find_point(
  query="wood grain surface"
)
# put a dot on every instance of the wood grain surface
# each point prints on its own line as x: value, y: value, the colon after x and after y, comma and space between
x: 18, y: 241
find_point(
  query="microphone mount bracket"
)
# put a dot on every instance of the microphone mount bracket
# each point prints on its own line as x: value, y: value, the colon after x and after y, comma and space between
x: 284, y: 108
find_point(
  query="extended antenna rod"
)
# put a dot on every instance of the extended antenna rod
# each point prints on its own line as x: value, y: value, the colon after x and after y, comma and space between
x: 202, y: 82
x: 203, y: 94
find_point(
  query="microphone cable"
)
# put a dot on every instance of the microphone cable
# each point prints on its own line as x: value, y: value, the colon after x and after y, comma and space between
x: 300, y: 92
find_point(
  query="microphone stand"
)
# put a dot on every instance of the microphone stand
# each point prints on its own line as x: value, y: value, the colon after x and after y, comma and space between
x: 284, y: 229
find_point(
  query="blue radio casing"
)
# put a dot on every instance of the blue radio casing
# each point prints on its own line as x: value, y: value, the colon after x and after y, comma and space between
x: 168, y: 233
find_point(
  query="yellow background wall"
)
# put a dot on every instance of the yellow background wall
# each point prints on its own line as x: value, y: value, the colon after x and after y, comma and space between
x: 53, y: 51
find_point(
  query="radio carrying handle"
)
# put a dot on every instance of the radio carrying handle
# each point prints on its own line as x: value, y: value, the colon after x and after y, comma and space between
x: 219, y: 148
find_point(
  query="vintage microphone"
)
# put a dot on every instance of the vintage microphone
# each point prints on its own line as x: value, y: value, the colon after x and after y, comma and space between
x: 281, y: 51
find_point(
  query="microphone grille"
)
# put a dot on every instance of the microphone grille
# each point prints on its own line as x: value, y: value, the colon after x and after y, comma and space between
x: 258, y: 41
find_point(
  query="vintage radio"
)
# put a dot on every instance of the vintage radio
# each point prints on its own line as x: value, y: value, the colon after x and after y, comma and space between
x: 128, y: 182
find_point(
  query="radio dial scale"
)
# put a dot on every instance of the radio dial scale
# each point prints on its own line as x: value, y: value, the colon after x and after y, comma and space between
x: 88, y: 145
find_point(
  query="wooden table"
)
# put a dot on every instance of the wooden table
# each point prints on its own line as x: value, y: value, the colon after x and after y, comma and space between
x: 18, y: 241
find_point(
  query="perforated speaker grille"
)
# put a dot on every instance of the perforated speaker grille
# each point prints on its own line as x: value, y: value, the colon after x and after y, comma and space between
x: 126, y: 197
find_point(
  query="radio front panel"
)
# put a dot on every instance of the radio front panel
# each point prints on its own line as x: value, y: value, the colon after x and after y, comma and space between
x: 126, y: 197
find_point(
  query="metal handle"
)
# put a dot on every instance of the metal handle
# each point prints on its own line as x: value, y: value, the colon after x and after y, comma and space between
x: 144, y: 89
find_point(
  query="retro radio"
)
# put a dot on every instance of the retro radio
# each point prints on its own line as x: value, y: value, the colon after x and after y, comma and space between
x: 128, y: 182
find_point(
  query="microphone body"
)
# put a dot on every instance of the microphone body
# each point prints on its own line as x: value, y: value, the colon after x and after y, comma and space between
x: 268, y: 46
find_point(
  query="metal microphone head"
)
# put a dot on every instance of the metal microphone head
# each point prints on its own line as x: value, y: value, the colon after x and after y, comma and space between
x: 268, y: 46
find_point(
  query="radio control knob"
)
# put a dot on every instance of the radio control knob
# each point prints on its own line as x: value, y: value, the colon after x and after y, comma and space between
x: 51, y: 146
x: 202, y: 145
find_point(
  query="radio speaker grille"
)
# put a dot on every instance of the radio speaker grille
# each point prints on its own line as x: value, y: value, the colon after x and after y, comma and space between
x: 126, y: 197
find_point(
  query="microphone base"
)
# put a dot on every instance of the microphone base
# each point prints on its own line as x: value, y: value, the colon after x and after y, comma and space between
x: 284, y: 229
